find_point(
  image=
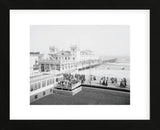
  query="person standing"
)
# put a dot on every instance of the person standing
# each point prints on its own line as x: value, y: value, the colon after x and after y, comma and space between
x: 106, y: 82
x: 121, y: 84
x: 125, y: 82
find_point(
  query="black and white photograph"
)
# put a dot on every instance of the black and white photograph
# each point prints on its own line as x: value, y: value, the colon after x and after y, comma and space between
x: 80, y: 65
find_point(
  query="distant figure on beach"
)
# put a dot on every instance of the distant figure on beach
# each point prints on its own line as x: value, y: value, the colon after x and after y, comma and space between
x: 123, y: 83
x: 94, y: 78
x: 103, y: 82
x: 112, y: 80
x: 115, y: 80
x: 106, y: 83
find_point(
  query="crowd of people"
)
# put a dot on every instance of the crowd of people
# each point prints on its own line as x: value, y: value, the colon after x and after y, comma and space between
x: 69, y: 80
x: 80, y: 77
x: 76, y: 77
x: 105, y: 80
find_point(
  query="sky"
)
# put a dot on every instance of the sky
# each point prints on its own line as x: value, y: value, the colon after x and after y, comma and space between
x: 105, y: 40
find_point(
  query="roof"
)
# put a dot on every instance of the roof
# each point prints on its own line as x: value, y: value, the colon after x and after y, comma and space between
x: 41, y: 77
x: 49, y: 61
x: 63, y: 53
x: 34, y: 53
x: 88, y: 96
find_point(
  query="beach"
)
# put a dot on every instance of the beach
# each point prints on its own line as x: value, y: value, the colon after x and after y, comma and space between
x: 119, y: 69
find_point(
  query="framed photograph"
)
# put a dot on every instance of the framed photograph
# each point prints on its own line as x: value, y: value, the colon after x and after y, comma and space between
x: 78, y: 63
x: 85, y: 62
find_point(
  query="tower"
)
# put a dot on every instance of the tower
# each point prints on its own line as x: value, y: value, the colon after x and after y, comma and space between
x: 53, y: 49
x: 75, y: 52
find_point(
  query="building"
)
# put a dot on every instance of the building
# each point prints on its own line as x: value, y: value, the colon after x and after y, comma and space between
x: 62, y: 61
x: 42, y: 85
x: 53, y: 49
x: 67, y: 61
x: 86, y: 55
x: 47, y: 69
x: 34, y: 63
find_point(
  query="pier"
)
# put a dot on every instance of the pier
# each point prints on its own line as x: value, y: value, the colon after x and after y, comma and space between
x: 94, y: 63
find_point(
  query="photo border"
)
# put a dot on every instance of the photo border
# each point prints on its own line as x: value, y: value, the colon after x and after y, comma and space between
x: 19, y: 33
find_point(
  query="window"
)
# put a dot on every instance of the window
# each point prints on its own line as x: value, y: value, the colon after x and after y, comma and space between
x: 53, y: 80
x: 43, y: 83
x: 65, y: 58
x: 73, y: 58
x: 56, y: 79
x: 47, y: 82
x: 36, y: 96
x: 50, y: 90
x: 44, y: 93
x: 35, y: 87
x: 32, y: 87
x: 50, y: 81
x: 39, y: 85
x: 68, y: 58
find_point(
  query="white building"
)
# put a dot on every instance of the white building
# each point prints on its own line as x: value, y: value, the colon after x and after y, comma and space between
x: 67, y: 60
x: 34, y: 63
x: 42, y: 85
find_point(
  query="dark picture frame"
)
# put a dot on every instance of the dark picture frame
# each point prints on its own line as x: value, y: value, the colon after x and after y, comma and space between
x: 6, y: 5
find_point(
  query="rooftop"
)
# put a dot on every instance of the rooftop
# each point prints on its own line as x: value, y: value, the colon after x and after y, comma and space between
x: 63, y: 53
x: 35, y: 53
x: 49, y: 61
x: 41, y: 77
x: 88, y: 96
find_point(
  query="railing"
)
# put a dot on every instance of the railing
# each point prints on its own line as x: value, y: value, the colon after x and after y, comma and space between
x: 68, y: 86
